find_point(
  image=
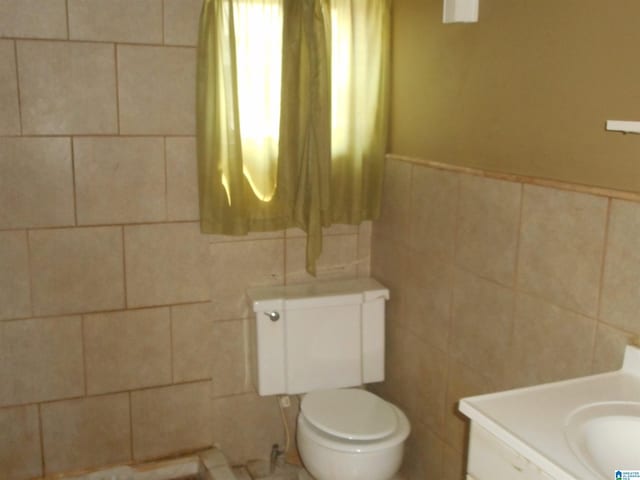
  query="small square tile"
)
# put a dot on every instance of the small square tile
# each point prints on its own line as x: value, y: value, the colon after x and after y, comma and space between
x: 9, y: 109
x: 119, y: 180
x: 182, y: 179
x: 164, y: 106
x: 33, y: 18
x: 15, y: 291
x: 40, y: 360
x: 181, y: 22
x: 166, y: 264
x: 127, y: 350
x: 124, y: 21
x: 171, y: 419
x: 86, y: 433
x: 36, y: 182
x: 67, y: 88
x: 77, y: 270
x: 20, y: 454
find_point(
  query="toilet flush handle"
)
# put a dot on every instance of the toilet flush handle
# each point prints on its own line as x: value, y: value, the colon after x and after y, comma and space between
x: 273, y: 316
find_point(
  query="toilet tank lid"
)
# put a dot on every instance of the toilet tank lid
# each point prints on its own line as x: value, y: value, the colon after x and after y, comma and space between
x: 358, y: 290
x: 352, y: 414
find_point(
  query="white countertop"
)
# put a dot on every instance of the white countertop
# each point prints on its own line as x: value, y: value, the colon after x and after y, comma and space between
x: 531, y: 420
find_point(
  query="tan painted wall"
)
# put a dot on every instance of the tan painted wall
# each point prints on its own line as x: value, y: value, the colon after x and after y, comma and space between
x: 526, y: 90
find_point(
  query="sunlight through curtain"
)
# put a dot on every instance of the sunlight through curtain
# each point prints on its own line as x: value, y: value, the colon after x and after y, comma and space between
x: 291, y: 114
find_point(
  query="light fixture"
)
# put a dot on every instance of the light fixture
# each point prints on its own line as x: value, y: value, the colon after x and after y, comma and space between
x: 460, y: 11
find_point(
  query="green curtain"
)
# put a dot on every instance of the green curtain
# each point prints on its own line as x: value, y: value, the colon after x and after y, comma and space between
x: 333, y: 107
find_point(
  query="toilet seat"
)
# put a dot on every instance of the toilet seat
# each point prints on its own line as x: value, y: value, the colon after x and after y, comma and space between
x: 341, y: 443
x: 351, y: 414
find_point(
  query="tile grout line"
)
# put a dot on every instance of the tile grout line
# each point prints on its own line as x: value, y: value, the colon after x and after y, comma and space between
x: 30, y: 268
x: 124, y: 269
x: 73, y: 180
x: 84, y: 355
x: 43, y: 464
x: 516, y: 269
x: 603, y: 263
x: 166, y: 179
x: 130, y: 394
x: 171, y: 345
x: 18, y: 91
x: 117, y: 86
x: 112, y: 393
x: 104, y: 42
x: 67, y: 19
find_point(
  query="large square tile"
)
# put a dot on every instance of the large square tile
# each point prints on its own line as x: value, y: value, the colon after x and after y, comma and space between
x: 167, y: 104
x: 253, y: 263
x: 549, y: 344
x: 15, y: 292
x: 621, y: 282
x: 166, y: 264
x: 482, y: 323
x: 20, y: 454
x: 76, y: 270
x: 119, y: 180
x: 339, y: 259
x: 67, y: 88
x: 489, y: 219
x: 561, y: 247
x: 234, y: 424
x: 36, y: 182
x: 33, y: 18
x: 125, y: 21
x: 9, y: 109
x: 181, y: 21
x: 86, y: 433
x: 229, y: 358
x: 182, y: 179
x: 127, y: 350
x: 40, y: 360
x: 395, y: 217
x: 193, y: 340
x: 434, y: 205
x: 171, y: 420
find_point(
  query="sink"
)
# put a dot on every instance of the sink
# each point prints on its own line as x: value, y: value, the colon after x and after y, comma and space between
x: 605, y: 436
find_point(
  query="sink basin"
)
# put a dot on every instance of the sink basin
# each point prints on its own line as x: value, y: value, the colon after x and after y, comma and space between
x: 606, y: 436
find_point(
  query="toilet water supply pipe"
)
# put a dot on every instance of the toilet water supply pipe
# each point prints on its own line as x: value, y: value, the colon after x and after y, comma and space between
x: 283, y: 401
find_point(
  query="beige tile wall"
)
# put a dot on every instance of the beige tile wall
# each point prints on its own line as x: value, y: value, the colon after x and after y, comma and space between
x: 495, y: 284
x: 123, y: 330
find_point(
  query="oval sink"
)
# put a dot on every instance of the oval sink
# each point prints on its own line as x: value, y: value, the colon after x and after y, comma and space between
x: 606, y: 436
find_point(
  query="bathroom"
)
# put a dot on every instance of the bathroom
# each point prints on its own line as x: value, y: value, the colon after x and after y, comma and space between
x: 506, y: 239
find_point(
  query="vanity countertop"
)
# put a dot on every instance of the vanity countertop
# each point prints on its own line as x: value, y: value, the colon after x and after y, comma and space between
x: 532, y: 420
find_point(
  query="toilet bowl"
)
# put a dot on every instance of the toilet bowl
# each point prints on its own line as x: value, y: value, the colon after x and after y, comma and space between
x: 350, y: 434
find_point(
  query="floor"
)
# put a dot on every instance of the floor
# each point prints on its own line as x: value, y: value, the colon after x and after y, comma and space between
x: 260, y: 471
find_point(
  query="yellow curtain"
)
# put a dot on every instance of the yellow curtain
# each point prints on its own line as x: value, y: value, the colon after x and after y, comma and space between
x: 291, y: 114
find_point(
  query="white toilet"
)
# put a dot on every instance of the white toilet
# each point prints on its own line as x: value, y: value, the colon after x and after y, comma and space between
x: 319, y: 339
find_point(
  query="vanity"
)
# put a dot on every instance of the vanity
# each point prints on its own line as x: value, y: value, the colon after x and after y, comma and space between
x: 581, y: 429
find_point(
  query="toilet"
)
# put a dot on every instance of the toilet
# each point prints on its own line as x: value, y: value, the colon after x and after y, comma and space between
x: 325, y: 341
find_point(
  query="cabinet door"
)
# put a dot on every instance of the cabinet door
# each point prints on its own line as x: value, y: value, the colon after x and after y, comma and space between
x: 491, y: 459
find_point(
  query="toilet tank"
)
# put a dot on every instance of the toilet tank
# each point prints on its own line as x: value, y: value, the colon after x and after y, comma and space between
x: 317, y: 336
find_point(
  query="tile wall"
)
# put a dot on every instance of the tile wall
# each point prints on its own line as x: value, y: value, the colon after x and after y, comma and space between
x: 496, y: 284
x: 122, y: 328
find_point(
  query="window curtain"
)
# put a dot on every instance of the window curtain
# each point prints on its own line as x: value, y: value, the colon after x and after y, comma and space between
x: 291, y: 114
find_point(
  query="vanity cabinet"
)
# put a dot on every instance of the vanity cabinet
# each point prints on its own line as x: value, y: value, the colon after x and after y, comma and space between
x: 492, y: 459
